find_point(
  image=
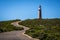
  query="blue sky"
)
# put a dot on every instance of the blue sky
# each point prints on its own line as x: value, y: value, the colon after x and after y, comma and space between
x: 28, y: 9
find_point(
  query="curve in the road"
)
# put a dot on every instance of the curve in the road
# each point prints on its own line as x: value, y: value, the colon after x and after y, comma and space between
x: 16, y: 35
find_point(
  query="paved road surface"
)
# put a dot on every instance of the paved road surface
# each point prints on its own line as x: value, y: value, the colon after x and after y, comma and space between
x: 16, y: 35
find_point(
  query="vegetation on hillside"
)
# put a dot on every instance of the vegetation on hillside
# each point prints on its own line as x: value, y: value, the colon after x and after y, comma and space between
x: 45, y: 29
x: 6, y: 26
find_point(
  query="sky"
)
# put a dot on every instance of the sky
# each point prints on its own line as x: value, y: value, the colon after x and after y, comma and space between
x: 28, y: 9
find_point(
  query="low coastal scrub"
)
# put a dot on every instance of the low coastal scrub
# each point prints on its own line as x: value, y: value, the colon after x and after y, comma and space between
x: 6, y: 26
x: 45, y: 29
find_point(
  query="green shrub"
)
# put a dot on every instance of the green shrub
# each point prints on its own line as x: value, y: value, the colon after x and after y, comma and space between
x: 18, y: 28
x: 45, y: 29
x: 6, y: 26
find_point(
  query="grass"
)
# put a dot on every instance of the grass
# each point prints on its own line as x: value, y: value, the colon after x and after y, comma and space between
x: 45, y: 29
x: 6, y: 26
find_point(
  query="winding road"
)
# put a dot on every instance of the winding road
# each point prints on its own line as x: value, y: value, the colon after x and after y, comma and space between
x: 16, y: 35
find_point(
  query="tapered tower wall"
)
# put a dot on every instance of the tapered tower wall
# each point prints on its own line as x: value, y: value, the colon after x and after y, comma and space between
x: 39, y: 13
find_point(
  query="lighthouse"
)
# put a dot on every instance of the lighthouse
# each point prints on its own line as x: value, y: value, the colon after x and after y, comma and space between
x: 39, y: 13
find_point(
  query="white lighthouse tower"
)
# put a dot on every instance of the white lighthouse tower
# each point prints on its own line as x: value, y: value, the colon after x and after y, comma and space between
x: 39, y: 13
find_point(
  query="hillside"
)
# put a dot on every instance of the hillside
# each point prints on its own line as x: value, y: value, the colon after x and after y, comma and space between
x: 45, y: 29
x: 6, y: 26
